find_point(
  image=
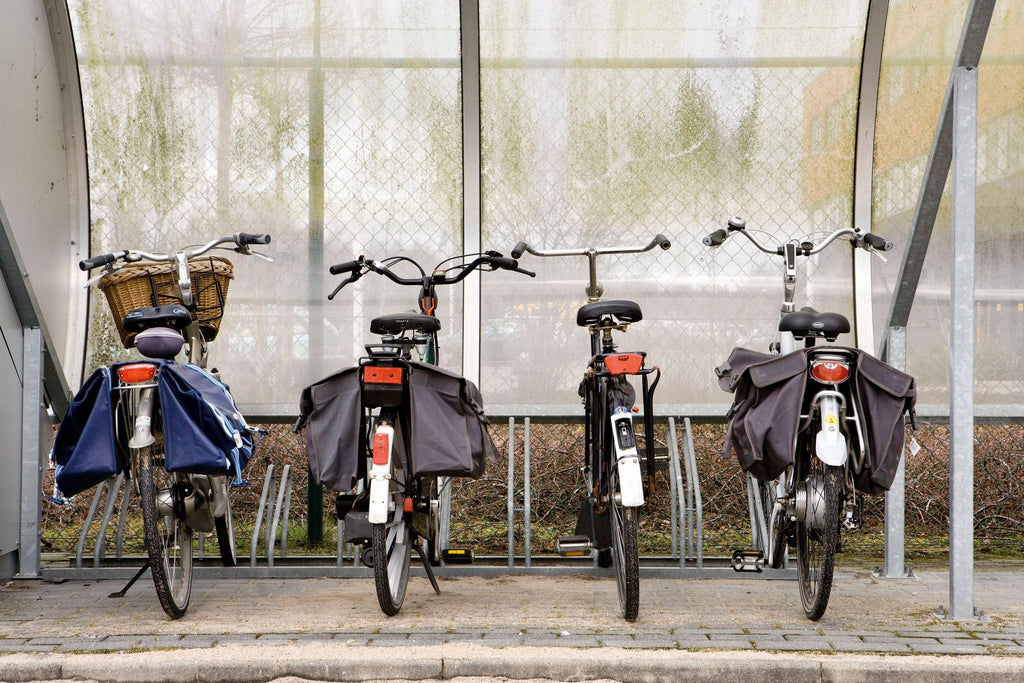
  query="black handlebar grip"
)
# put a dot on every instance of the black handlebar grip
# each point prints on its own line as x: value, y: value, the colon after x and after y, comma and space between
x: 877, y: 242
x: 505, y: 263
x: 518, y: 250
x: 346, y: 267
x: 715, y: 238
x: 662, y: 241
x: 251, y: 238
x: 96, y: 261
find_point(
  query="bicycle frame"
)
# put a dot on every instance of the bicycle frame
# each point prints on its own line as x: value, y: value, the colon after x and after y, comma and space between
x: 400, y: 507
x: 608, y: 517
x: 173, y: 504
x: 805, y: 504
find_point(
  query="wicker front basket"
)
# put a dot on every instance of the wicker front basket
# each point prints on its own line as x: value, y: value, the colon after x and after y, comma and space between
x: 138, y: 285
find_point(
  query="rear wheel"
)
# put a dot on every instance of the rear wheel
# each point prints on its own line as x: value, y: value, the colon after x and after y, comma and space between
x: 168, y: 539
x: 625, y: 555
x: 392, y: 542
x: 817, y: 532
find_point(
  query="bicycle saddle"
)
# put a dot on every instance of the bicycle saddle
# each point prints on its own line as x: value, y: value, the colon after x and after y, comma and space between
x: 174, y: 316
x: 623, y: 311
x: 808, y: 322
x: 395, y: 323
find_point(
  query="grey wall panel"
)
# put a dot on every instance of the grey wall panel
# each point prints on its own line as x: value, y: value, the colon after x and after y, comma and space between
x: 41, y: 169
x: 11, y: 354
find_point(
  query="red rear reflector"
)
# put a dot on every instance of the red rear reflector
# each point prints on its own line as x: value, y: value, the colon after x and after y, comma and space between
x: 136, y: 372
x: 624, y: 363
x: 407, y: 505
x: 830, y: 371
x: 380, y: 449
x: 379, y: 375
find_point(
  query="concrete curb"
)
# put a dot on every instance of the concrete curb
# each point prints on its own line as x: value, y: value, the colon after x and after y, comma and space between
x: 336, y: 662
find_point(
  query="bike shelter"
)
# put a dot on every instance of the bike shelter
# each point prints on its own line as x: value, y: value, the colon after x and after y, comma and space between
x: 42, y: 306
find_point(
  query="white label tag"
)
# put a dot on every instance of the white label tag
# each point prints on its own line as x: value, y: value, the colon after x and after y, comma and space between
x: 914, y: 447
x: 238, y: 440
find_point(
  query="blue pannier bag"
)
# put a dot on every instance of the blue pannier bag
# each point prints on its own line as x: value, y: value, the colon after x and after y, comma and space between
x: 204, y: 432
x: 84, y: 450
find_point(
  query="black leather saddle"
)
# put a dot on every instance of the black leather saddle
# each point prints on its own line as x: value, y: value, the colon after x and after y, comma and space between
x: 174, y: 316
x: 808, y: 322
x: 623, y: 311
x: 396, y: 323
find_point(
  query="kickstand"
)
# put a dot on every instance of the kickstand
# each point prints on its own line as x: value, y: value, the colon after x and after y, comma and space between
x: 138, y: 574
x: 427, y: 567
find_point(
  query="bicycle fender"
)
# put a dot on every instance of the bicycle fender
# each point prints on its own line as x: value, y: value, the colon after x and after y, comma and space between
x: 380, y: 474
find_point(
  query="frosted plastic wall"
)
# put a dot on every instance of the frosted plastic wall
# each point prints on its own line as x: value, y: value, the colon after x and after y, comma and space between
x: 920, y: 44
x: 602, y: 123
x: 202, y: 120
x: 607, y: 122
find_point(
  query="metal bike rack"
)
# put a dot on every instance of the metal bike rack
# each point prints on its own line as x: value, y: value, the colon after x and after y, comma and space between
x: 275, y: 500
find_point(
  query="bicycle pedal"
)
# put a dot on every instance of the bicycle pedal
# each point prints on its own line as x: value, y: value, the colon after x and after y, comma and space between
x: 457, y: 556
x: 748, y: 561
x: 573, y: 546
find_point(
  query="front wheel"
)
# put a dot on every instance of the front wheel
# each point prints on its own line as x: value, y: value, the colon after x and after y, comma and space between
x: 625, y: 556
x: 817, y: 533
x: 168, y: 539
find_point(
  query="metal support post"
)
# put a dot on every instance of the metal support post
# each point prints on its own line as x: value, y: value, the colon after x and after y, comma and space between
x: 961, y: 372
x: 31, y: 450
x: 469, y: 43
x: 526, y: 492
x: 511, y: 492
x: 895, y: 497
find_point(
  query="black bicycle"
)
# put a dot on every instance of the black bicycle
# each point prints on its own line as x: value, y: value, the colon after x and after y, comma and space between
x: 813, y: 426
x: 417, y: 425
x: 609, y: 516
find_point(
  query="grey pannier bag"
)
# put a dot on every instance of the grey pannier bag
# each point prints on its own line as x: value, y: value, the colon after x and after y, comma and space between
x: 448, y: 428
x: 331, y: 412
x: 769, y: 394
x: 444, y: 423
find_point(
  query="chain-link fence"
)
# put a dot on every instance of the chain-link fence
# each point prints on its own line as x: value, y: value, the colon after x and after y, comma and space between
x: 479, y: 518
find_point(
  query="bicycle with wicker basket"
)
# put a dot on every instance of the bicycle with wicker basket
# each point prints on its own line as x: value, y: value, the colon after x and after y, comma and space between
x: 171, y: 427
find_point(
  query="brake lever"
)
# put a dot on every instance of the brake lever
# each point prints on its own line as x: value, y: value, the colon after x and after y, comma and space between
x: 351, y: 278
x: 525, y: 272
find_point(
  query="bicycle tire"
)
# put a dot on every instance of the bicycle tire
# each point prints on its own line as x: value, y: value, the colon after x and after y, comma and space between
x: 168, y: 539
x: 392, y: 543
x: 775, y: 545
x: 225, y: 526
x: 817, y: 542
x: 625, y: 555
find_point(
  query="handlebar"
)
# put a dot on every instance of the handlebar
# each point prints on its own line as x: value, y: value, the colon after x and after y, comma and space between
x: 241, y: 240
x: 439, y: 276
x: 865, y: 241
x: 659, y: 240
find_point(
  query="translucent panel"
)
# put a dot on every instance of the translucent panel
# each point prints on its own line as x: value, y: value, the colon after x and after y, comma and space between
x: 212, y: 117
x: 920, y: 44
x: 607, y: 122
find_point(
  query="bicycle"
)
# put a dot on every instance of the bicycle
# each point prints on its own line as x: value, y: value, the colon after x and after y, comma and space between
x: 162, y: 303
x: 414, y: 424
x: 814, y: 427
x: 609, y: 516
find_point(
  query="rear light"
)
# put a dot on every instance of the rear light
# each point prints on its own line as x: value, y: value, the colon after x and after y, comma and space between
x: 381, y: 375
x: 830, y: 371
x: 135, y: 373
x: 624, y: 363
x: 381, y: 449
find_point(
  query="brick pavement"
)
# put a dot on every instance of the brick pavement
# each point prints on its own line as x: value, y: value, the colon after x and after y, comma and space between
x: 547, y: 614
